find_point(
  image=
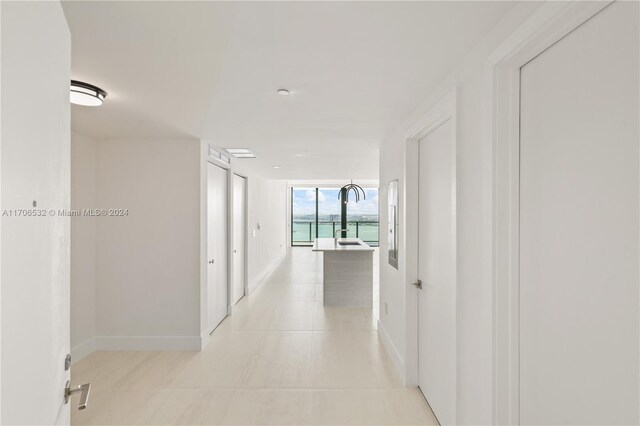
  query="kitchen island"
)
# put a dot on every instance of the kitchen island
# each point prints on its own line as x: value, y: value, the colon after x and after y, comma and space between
x: 348, y: 271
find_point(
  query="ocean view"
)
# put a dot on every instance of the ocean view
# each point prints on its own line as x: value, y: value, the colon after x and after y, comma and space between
x: 323, y: 206
x: 304, y: 231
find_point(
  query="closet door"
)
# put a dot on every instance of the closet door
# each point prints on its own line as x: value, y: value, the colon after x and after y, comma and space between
x: 217, y: 247
x: 239, y: 225
x: 437, y: 269
x: 579, y: 230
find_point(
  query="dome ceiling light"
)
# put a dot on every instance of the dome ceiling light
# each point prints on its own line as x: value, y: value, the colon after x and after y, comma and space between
x: 283, y: 92
x: 86, y: 94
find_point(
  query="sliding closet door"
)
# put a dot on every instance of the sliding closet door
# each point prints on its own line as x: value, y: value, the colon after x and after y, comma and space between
x: 217, y: 275
x: 579, y: 226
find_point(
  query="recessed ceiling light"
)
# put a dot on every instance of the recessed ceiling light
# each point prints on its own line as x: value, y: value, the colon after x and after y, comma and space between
x: 86, y: 94
x: 276, y: 167
x: 283, y: 92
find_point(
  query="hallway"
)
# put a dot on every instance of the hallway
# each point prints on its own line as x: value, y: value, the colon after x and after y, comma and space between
x: 281, y: 358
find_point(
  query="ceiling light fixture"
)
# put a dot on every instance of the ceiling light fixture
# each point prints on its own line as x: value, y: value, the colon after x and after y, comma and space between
x: 86, y: 94
x: 240, y: 152
x: 357, y: 189
x: 283, y: 92
x: 276, y: 167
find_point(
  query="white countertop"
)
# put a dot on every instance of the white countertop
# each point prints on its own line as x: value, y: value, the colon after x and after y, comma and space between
x: 328, y: 244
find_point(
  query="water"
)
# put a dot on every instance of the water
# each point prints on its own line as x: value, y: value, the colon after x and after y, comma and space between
x: 367, y: 232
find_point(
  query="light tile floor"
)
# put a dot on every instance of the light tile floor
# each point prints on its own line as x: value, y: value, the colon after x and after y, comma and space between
x: 282, y: 358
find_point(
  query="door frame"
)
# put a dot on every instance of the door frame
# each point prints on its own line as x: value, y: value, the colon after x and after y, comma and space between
x: 548, y: 25
x: 245, y: 285
x: 440, y: 113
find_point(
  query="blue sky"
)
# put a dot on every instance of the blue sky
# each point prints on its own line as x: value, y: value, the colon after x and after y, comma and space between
x: 304, y: 202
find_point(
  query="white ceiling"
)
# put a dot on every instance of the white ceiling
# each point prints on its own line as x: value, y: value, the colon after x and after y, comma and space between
x: 211, y: 70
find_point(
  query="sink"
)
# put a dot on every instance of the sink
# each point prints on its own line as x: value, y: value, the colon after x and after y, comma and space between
x: 348, y: 243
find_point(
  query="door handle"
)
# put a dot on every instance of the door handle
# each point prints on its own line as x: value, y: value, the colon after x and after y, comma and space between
x: 211, y: 261
x: 417, y: 284
x: 84, y: 394
x: 235, y: 251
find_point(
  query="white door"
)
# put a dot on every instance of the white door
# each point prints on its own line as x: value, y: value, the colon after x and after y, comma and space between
x: 579, y: 225
x: 35, y: 249
x: 437, y: 270
x: 239, y: 224
x: 217, y: 278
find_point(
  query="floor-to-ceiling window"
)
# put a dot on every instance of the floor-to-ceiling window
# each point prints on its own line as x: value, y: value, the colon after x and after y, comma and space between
x: 328, y: 212
x: 316, y: 212
x: 362, y: 217
x: 303, y: 216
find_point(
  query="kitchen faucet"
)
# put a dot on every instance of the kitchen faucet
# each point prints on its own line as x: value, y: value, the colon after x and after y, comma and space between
x: 335, y: 238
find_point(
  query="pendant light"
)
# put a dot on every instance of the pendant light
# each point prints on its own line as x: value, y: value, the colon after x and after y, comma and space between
x: 352, y: 187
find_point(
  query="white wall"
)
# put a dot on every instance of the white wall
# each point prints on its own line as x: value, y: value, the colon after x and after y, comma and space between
x: 137, y: 279
x: 148, y: 280
x: 267, y: 206
x: 474, y: 227
x: 83, y: 246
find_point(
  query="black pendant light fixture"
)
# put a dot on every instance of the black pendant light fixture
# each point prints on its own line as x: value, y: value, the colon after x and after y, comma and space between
x: 351, y: 187
x: 343, y: 196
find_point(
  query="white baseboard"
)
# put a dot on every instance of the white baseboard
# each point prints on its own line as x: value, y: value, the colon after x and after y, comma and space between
x: 204, y: 340
x: 262, y: 278
x: 148, y: 343
x: 83, y: 349
x: 396, y: 358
